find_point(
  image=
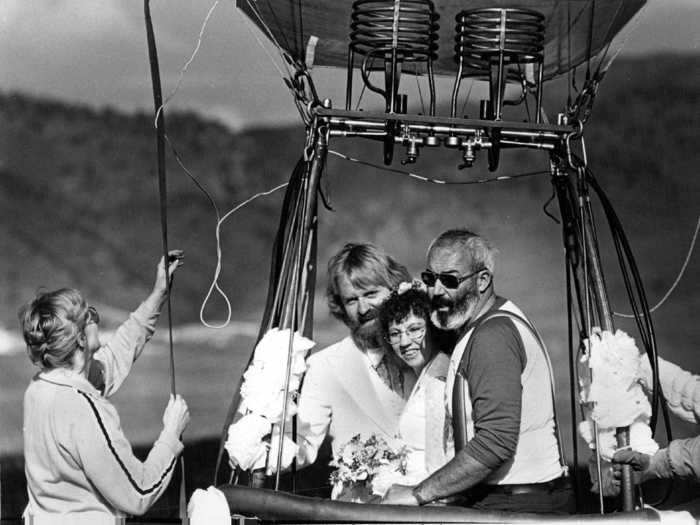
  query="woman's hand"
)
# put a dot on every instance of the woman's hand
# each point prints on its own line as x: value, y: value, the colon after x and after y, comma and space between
x: 175, y: 260
x: 176, y: 416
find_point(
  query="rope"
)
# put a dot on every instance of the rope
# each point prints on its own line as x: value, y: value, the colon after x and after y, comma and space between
x: 162, y: 190
x: 678, y: 278
x: 217, y: 271
x: 430, y: 180
x: 189, y: 61
x: 219, y: 222
x: 162, y: 176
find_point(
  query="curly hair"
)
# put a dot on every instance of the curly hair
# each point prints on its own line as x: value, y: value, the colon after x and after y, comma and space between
x: 400, y: 305
x: 364, y: 265
x: 53, y: 325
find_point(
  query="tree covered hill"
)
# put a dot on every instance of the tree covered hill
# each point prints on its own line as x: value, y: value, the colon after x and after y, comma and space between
x: 79, y: 202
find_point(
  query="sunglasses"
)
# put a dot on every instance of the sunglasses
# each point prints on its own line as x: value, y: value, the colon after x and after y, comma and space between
x: 448, y: 280
x: 92, y: 315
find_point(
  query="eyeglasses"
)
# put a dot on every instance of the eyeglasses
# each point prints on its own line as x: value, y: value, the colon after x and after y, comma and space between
x: 448, y: 280
x: 414, y: 333
x: 92, y: 315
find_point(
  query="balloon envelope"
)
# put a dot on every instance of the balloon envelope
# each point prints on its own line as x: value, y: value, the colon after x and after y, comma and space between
x: 574, y: 29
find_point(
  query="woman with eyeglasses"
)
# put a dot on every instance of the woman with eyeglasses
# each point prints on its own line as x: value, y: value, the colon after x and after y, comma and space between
x: 423, y: 428
x: 79, y: 465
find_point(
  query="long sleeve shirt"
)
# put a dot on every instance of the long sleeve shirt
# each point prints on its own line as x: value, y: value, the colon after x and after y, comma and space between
x: 79, y: 464
x: 680, y: 459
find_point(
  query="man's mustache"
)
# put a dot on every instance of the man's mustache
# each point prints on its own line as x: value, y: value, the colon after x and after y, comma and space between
x: 367, y: 316
x: 439, y: 302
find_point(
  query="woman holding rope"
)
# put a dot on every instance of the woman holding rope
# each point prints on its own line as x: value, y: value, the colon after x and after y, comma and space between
x: 79, y: 465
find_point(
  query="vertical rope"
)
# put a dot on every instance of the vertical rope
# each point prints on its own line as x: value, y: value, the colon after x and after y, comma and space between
x: 162, y: 191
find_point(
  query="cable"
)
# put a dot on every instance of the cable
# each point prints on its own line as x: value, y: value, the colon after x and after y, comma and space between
x: 219, y: 222
x: 678, y: 278
x: 423, y: 178
x: 217, y: 271
x: 189, y: 61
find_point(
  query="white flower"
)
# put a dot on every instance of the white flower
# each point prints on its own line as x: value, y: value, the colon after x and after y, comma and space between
x: 610, y: 387
x: 415, y: 284
x: 208, y: 508
x: 245, y: 444
x: 270, y: 405
x: 263, y: 392
x: 641, y: 440
x: 272, y: 349
x: 612, y: 382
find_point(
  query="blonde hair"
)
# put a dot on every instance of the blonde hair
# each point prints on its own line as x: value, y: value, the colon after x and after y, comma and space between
x: 53, y: 327
x: 364, y: 265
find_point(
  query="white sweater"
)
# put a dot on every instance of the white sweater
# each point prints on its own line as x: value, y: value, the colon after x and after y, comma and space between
x: 79, y: 465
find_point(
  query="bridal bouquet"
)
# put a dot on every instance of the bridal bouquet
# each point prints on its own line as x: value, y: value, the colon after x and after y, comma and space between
x: 263, y: 399
x: 613, y: 393
x: 360, y: 462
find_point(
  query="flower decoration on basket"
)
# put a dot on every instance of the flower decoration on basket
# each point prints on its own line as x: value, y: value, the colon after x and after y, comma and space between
x: 415, y: 284
x: 359, y: 462
x: 263, y: 399
x: 612, y: 393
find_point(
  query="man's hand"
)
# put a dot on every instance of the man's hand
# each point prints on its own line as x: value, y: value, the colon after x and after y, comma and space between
x: 611, y: 482
x: 640, y: 463
x: 175, y: 258
x: 399, y: 495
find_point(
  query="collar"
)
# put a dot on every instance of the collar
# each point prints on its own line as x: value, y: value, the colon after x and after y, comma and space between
x: 69, y: 378
x: 374, y: 355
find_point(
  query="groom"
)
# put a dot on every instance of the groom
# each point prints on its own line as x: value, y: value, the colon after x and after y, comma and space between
x: 498, y: 392
x: 354, y: 386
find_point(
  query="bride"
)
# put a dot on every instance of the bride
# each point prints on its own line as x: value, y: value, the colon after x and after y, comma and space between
x: 424, y: 431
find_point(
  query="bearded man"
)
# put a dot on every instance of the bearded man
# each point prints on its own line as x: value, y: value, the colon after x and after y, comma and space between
x: 498, y: 392
x: 354, y: 386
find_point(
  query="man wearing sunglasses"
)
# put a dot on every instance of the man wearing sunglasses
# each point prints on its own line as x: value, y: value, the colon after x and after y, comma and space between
x: 499, y: 392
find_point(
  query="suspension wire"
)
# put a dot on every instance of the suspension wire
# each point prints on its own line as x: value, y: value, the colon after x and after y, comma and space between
x: 302, y: 56
x: 295, y: 87
x: 644, y: 322
x: 162, y: 187
x: 691, y: 248
x: 188, y: 62
x: 268, y: 32
x: 569, y: 69
x: 275, y: 19
x: 364, y: 85
x: 251, y: 29
x: 607, y: 47
x: 469, y: 94
x: 420, y: 92
x: 430, y: 180
x: 589, y: 44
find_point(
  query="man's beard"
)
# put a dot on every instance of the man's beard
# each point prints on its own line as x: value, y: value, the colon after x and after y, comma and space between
x: 457, y: 315
x: 366, y: 332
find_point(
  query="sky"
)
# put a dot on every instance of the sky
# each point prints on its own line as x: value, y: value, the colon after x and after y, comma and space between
x: 94, y: 52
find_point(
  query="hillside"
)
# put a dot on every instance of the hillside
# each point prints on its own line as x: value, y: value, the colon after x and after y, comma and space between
x: 79, y: 207
x: 79, y: 204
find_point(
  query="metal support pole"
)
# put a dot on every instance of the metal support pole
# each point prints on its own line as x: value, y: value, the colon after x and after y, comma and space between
x: 301, y: 263
x: 606, y: 319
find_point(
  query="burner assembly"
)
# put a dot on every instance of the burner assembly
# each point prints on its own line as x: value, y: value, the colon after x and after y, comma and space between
x: 499, y: 46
